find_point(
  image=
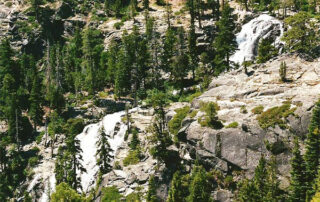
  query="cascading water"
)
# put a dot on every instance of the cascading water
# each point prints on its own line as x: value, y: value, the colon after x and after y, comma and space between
x: 248, y: 38
x: 88, y: 139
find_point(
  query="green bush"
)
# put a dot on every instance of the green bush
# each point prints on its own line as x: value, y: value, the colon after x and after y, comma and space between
x: 33, y: 161
x: 175, y: 123
x: 118, y: 25
x: 257, y: 109
x: 193, y: 113
x: 275, y: 116
x: 39, y: 137
x: 132, y: 158
x: 243, y: 110
x: 210, y: 119
x: 232, y: 125
x: 111, y: 194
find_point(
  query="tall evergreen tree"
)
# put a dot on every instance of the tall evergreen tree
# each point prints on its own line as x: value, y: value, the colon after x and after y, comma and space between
x: 225, y: 42
x: 297, y: 182
x: 152, y: 190
x: 177, y: 191
x: 35, y: 99
x: 103, y: 152
x: 312, y: 154
x: 199, y: 186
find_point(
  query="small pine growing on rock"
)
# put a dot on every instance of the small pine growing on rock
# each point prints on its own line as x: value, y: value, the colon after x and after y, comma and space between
x: 283, y: 71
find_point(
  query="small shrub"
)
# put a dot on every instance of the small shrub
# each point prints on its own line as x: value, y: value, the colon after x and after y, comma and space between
x: 118, y: 25
x: 117, y: 165
x: 243, y: 110
x: 33, y: 161
x: 111, y: 194
x: 103, y: 94
x: 132, y: 158
x: 283, y: 72
x: 193, y: 113
x: 275, y: 116
x: 39, y: 137
x: 257, y: 109
x: 175, y: 123
x: 232, y: 125
x: 211, y: 118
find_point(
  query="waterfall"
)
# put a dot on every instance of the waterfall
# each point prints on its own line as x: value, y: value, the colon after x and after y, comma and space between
x: 88, y: 139
x: 248, y: 38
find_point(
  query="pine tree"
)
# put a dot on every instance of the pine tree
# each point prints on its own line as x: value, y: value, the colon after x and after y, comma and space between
x: 273, y: 192
x: 283, y: 71
x: 199, y: 186
x: 179, y: 70
x: 35, y: 99
x: 74, y: 153
x: 35, y: 6
x: 103, y: 152
x: 152, y: 190
x: 169, y: 49
x: 192, y: 49
x: 92, y: 47
x: 312, y: 154
x: 301, y: 36
x: 297, y: 182
x: 247, y: 191
x: 265, y: 51
x: 177, y: 190
x: 225, y: 42
x: 146, y: 4
x: 260, y: 178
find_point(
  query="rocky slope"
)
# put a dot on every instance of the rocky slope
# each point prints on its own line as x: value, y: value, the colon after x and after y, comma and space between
x: 239, y: 148
x: 238, y: 93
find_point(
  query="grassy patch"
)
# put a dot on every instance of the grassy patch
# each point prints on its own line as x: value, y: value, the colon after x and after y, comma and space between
x: 275, y: 116
x: 232, y: 125
x: 257, y: 109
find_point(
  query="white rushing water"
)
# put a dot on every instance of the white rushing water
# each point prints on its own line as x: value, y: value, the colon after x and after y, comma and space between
x: 250, y: 34
x: 88, y: 139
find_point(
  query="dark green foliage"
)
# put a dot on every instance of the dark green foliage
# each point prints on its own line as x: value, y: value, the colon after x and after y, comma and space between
x: 283, y: 72
x: 210, y: 119
x: 297, y: 182
x: 266, y: 51
x: 69, y: 158
x: 178, y: 189
x: 264, y: 186
x: 92, y: 48
x: 111, y: 194
x: 312, y: 154
x: 175, y: 123
x: 65, y: 193
x: 225, y: 42
x: 35, y: 99
x: 152, y: 190
x: 200, y: 187
x: 301, y: 36
x: 104, y: 157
